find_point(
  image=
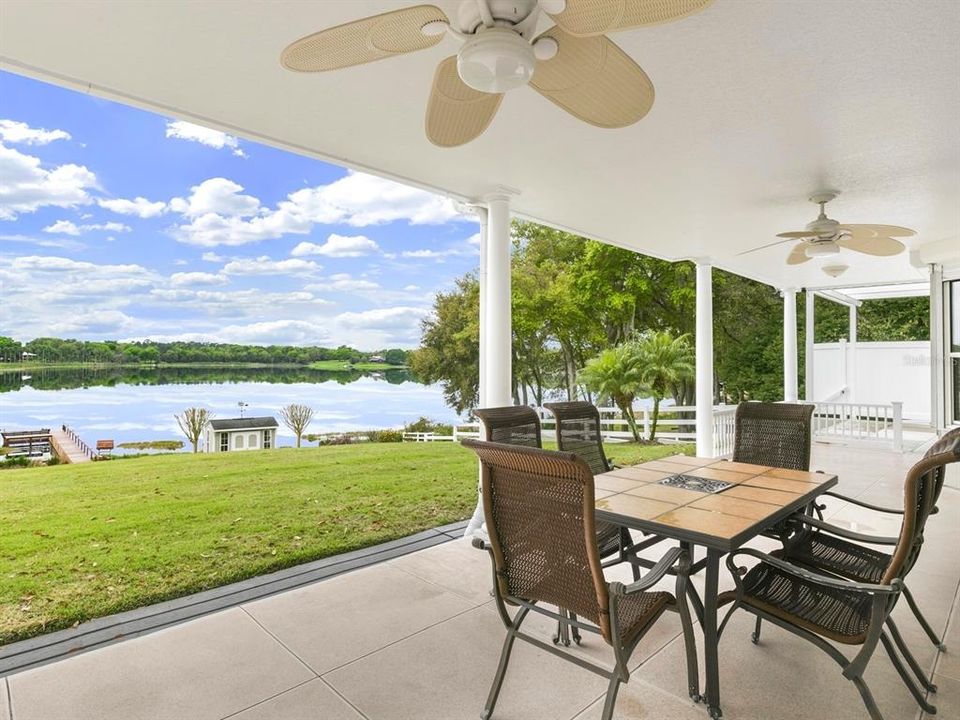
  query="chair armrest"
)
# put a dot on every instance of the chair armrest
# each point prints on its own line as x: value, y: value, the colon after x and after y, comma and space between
x: 651, y: 578
x: 843, y: 532
x: 804, y: 574
x: 861, y: 503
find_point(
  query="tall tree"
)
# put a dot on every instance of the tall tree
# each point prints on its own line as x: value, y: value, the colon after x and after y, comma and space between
x: 664, y: 362
x: 296, y: 417
x: 192, y: 421
x: 616, y: 373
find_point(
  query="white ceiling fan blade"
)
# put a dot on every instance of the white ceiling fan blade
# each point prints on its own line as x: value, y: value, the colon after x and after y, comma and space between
x: 880, y: 246
x: 363, y: 41
x: 878, y: 230
x: 798, y: 255
x: 456, y: 113
x: 596, y: 17
x: 593, y: 80
x: 798, y: 235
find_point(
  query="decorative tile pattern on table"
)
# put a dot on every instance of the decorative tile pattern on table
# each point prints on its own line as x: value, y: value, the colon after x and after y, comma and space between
x: 711, y: 497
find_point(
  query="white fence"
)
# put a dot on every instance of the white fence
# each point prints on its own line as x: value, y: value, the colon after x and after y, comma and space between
x: 853, y: 422
x: 832, y: 422
x: 677, y: 423
x: 429, y: 436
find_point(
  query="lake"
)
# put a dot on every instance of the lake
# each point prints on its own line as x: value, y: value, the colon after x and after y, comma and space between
x: 129, y: 405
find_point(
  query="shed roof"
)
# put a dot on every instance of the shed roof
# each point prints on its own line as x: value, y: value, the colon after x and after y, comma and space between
x: 243, y: 423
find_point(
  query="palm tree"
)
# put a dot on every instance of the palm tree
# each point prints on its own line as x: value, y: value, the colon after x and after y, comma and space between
x: 616, y: 373
x: 664, y: 361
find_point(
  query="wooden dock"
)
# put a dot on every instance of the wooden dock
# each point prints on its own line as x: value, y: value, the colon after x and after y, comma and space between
x: 69, y: 447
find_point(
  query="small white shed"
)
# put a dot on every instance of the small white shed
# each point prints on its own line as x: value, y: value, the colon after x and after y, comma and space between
x: 228, y: 434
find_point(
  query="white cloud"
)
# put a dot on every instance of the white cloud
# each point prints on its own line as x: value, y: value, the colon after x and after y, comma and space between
x: 25, y: 186
x: 181, y: 261
x: 217, y: 196
x: 474, y: 239
x: 263, y: 265
x: 65, y: 227
x: 183, y: 279
x: 342, y: 282
x: 439, y: 254
x: 139, y: 206
x: 62, y: 243
x: 411, y: 288
x: 204, y: 135
x: 338, y: 246
x: 13, y: 131
x: 220, y: 215
x: 212, y: 257
x: 383, y: 318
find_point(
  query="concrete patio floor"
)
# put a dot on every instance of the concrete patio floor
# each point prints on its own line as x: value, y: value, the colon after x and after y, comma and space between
x: 417, y: 638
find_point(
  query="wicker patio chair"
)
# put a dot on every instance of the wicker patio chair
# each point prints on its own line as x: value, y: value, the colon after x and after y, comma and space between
x: 820, y: 607
x: 823, y: 547
x: 773, y: 434
x: 539, y: 508
x: 520, y: 425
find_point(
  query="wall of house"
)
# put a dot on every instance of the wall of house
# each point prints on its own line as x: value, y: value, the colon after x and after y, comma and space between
x: 875, y: 372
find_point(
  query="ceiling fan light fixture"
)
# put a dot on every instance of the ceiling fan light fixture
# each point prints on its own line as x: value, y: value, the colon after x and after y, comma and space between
x: 822, y: 249
x: 835, y: 270
x: 496, y: 60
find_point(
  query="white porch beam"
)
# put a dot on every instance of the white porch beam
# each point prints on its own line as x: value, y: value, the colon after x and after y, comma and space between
x: 852, y: 377
x: 808, y: 338
x: 790, y: 393
x: 704, y: 358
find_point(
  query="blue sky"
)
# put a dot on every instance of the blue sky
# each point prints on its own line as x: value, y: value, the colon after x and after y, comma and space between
x: 116, y: 223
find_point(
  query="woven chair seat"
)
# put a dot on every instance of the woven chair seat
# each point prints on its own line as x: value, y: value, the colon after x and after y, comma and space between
x: 825, y: 552
x: 840, y: 615
x: 639, y: 610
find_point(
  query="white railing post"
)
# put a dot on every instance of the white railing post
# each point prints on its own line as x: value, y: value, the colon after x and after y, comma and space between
x: 646, y: 423
x: 898, y: 425
x: 704, y: 357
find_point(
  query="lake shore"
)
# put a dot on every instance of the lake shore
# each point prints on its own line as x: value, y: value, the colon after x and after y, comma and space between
x: 328, y: 365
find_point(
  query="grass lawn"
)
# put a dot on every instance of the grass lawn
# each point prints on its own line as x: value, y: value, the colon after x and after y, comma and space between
x: 82, y: 541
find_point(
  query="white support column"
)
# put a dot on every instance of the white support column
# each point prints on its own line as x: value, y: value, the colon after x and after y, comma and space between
x: 937, y: 359
x: 808, y: 337
x: 496, y: 336
x: 852, y: 363
x: 790, y: 344
x: 704, y: 358
x: 495, y: 383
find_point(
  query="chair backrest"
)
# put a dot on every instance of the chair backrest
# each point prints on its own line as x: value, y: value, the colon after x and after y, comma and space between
x: 539, y: 509
x: 578, y: 431
x: 920, y: 493
x: 773, y: 434
x: 512, y: 425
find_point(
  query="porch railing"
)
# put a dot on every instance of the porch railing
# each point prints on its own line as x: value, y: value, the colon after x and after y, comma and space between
x: 870, y: 422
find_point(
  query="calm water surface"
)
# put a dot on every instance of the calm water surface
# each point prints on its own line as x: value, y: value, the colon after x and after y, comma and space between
x: 137, y: 405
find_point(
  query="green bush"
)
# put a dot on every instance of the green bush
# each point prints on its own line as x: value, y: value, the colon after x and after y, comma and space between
x: 386, y: 436
x: 426, y: 425
x: 21, y: 461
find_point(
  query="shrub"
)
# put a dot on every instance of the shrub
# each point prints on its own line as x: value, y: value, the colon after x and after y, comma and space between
x: 20, y: 461
x: 386, y: 436
x: 426, y: 425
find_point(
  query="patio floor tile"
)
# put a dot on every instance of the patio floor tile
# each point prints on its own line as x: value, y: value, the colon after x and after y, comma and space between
x: 204, y: 669
x: 4, y: 700
x: 339, y: 620
x: 638, y: 700
x: 946, y: 699
x: 456, y: 566
x: 444, y: 673
x: 314, y: 700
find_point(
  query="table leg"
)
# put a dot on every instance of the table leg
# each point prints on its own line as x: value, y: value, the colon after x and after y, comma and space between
x: 710, y: 639
x: 690, y: 646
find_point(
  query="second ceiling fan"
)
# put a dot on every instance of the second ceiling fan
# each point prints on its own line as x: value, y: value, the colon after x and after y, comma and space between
x: 573, y: 64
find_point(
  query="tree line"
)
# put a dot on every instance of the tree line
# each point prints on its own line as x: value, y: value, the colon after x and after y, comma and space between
x: 58, y: 350
x: 573, y: 299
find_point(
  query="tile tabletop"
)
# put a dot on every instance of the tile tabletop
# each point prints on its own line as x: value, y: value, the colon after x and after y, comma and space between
x: 757, y: 497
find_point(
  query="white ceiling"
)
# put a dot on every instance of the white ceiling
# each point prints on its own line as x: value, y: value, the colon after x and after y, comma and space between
x: 758, y: 103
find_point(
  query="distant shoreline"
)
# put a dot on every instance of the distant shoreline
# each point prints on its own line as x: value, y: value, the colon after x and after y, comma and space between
x: 327, y: 365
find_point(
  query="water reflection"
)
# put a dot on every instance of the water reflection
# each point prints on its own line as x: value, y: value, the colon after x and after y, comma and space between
x: 137, y: 404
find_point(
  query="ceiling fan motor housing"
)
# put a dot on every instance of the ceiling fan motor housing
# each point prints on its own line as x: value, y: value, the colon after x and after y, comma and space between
x: 496, y: 60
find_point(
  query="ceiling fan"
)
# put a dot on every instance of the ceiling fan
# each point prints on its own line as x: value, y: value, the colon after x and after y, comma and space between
x: 824, y: 236
x: 573, y: 64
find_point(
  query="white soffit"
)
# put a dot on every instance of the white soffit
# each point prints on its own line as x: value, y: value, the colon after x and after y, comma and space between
x: 758, y: 103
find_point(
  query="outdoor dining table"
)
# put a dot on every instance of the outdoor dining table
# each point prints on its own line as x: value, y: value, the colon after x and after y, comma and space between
x: 709, y: 502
